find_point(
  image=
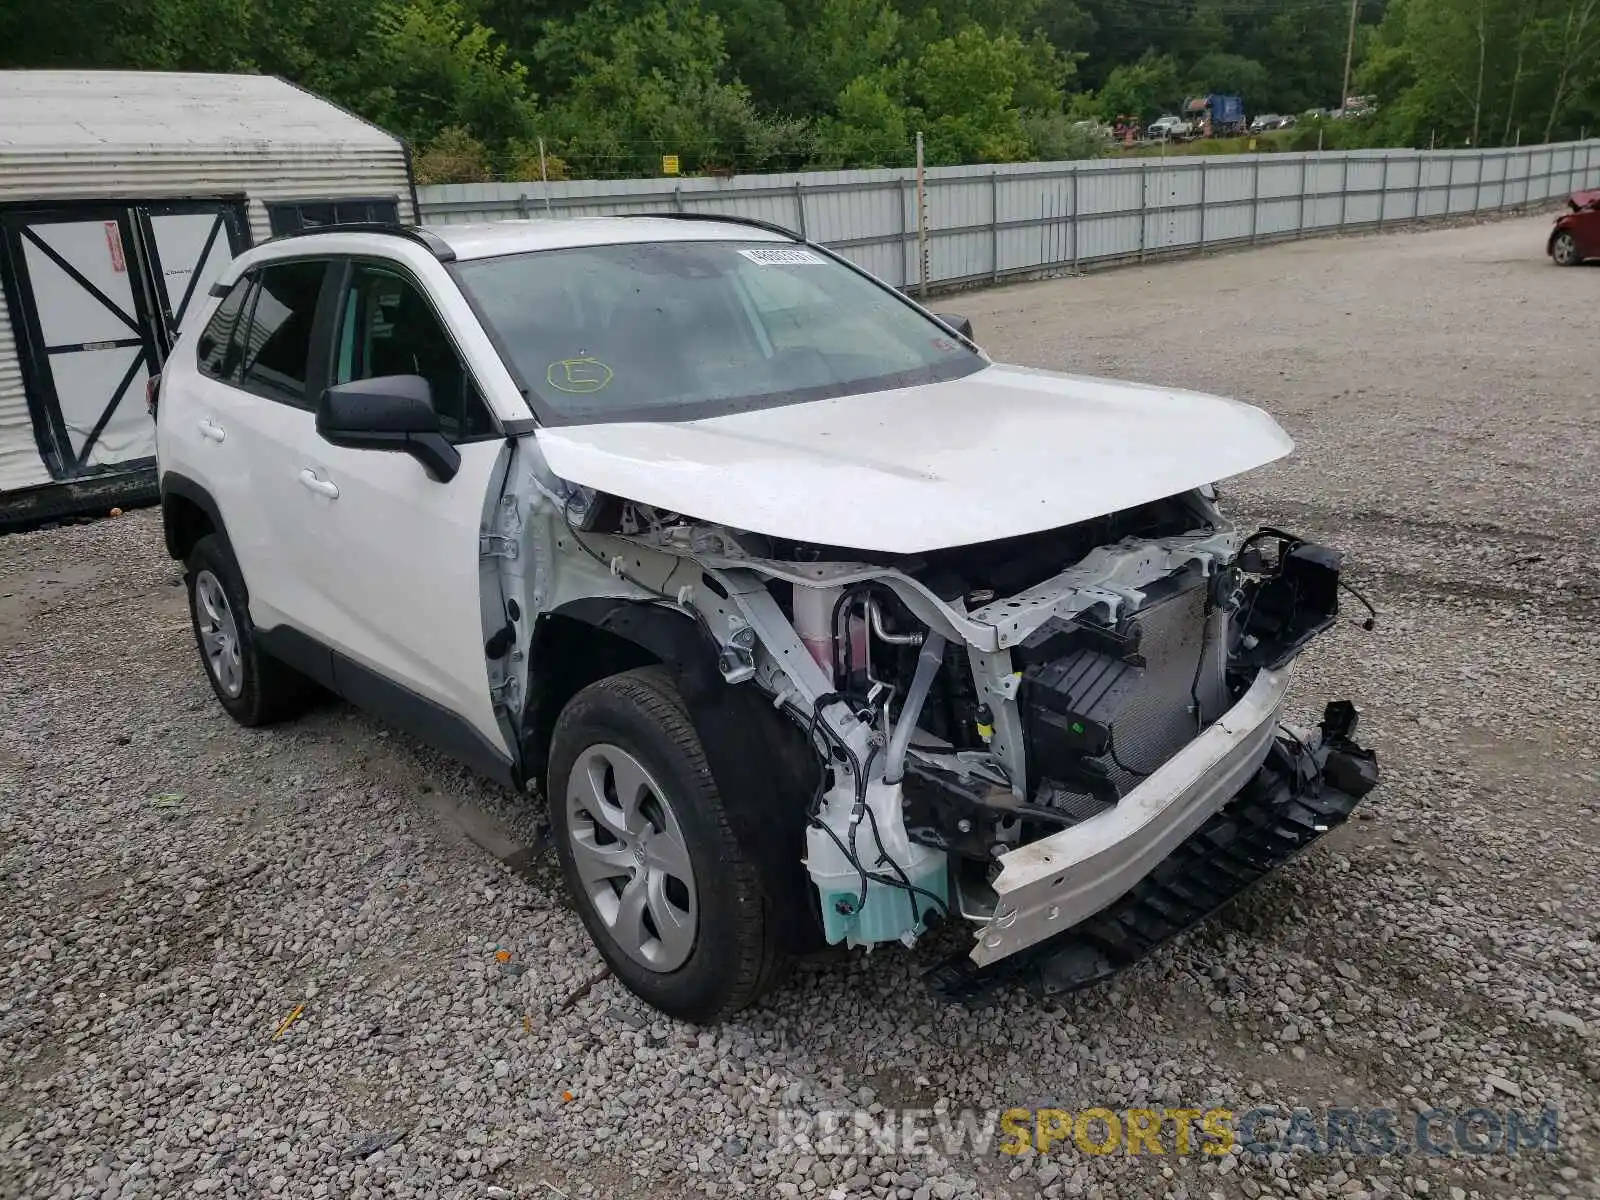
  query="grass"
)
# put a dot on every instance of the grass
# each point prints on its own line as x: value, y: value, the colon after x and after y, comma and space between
x: 1276, y: 140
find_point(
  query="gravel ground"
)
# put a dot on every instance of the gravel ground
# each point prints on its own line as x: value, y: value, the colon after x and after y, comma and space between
x: 173, y: 888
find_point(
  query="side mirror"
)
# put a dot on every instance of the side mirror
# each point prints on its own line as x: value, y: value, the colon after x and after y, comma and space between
x: 959, y: 323
x: 391, y: 412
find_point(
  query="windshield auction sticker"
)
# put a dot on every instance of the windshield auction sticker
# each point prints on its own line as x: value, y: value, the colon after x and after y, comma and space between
x: 784, y: 257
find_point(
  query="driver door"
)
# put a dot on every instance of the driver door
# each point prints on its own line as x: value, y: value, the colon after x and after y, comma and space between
x: 392, y: 553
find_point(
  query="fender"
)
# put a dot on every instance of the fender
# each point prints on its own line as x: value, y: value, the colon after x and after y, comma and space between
x: 764, y: 768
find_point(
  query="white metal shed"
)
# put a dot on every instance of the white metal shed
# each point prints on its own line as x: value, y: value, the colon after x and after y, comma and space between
x: 123, y: 194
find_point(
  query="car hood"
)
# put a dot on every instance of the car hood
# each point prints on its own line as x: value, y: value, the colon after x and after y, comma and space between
x: 1579, y: 201
x: 1002, y: 452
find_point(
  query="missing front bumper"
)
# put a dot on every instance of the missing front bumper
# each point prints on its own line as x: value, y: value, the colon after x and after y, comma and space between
x: 1055, y: 883
x: 1295, y: 796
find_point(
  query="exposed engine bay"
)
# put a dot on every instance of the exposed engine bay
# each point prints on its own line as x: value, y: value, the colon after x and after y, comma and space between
x: 1011, y: 734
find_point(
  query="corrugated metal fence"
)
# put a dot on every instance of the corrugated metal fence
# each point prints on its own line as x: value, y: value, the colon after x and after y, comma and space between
x: 987, y: 223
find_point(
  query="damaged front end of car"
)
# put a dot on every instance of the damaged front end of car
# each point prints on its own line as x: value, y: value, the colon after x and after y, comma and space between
x: 1068, y: 741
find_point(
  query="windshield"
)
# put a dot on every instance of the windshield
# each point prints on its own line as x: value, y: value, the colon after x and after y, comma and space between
x: 677, y: 330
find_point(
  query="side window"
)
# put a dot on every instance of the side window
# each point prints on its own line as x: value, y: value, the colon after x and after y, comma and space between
x: 387, y: 327
x: 212, y: 349
x: 241, y: 332
x: 279, y: 341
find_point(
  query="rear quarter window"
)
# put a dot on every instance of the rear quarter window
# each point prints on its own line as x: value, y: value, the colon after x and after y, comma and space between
x: 211, y: 351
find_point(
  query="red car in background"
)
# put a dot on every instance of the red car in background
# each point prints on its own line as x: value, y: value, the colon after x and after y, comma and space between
x: 1577, y: 232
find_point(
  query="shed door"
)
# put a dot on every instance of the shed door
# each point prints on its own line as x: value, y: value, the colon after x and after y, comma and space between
x: 187, y: 244
x: 99, y: 291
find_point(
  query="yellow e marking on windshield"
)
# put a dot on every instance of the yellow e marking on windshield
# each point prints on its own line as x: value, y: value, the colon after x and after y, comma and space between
x: 577, y: 375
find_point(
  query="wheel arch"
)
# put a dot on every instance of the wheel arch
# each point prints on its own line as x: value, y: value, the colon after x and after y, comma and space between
x: 584, y: 641
x: 188, y: 513
x: 764, y: 767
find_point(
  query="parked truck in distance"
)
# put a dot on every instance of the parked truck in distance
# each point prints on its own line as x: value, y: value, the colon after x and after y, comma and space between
x: 1169, y: 128
x: 1215, y: 115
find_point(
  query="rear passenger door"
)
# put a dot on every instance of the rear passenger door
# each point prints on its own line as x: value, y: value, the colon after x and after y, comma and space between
x: 391, y: 552
x: 263, y: 418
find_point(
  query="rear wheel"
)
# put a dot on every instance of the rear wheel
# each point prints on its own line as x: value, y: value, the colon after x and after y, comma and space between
x: 1564, y: 250
x: 657, y: 876
x: 254, y: 687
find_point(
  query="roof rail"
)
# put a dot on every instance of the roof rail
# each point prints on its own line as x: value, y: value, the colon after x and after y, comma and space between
x: 725, y: 219
x: 435, y: 244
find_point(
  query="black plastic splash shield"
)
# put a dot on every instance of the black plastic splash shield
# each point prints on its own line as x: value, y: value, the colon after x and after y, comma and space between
x: 1296, y: 797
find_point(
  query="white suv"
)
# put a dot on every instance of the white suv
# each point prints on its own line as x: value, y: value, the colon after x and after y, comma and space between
x: 811, y: 624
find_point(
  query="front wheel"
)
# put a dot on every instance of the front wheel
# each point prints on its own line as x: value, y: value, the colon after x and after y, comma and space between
x: 1564, y: 250
x: 672, y: 903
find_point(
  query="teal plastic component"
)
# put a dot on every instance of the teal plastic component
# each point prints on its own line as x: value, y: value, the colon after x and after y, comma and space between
x: 886, y: 915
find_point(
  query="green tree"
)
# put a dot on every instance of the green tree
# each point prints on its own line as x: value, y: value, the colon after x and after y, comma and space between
x: 189, y: 35
x: 1569, y: 35
x: 1043, y: 75
x: 1230, y: 75
x: 868, y: 128
x: 1480, y: 72
x: 428, y: 67
x: 928, y: 21
x: 52, y: 35
x: 764, y: 84
x: 1056, y: 137
x: 636, y: 87
x: 964, y: 89
x: 1304, y: 43
x: 1142, y: 90
x: 760, y: 37
x: 453, y: 156
x: 845, y: 41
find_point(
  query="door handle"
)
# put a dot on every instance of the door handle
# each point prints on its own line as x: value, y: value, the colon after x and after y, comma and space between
x: 322, y: 487
x: 215, y: 432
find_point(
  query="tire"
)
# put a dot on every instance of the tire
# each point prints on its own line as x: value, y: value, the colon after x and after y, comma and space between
x: 633, y: 809
x: 1564, y: 250
x: 254, y: 687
